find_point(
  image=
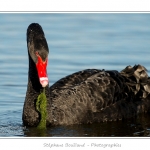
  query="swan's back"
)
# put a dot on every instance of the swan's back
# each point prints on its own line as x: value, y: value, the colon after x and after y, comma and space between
x: 97, y: 95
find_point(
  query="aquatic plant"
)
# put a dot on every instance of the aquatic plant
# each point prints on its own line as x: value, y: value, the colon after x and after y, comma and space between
x: 41, y: 105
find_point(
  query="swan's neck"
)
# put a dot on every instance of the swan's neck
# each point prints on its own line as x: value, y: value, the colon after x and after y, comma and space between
x: 33, y: 79
x: 31, y: 116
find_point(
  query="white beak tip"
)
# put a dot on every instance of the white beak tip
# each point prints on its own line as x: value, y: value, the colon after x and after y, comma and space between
x: 44, y: 81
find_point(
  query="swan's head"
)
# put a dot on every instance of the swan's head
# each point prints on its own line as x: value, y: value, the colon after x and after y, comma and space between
x: 38, y: 50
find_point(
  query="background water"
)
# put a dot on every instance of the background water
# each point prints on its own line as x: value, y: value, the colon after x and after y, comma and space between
x: 77, y: 41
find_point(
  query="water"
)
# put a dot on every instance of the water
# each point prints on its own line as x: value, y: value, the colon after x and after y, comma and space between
x: 77, y: 41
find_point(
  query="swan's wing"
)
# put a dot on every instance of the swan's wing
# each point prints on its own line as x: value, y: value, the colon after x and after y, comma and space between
x: 76, y: 98
x: 97, y: 95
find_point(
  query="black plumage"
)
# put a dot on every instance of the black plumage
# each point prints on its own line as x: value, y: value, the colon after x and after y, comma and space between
x: 86, y: 96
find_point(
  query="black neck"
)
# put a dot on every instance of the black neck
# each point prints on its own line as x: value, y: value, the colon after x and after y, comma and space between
x: 31, y: 116
x: 33, y: 76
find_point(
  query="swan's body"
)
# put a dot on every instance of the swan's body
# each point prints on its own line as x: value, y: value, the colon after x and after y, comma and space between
x: 86, y: 96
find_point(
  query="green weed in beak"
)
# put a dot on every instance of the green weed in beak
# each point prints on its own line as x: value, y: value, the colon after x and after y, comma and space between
x: 41, y: 105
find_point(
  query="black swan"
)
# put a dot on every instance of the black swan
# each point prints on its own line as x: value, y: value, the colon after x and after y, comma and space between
x: 86, y: 96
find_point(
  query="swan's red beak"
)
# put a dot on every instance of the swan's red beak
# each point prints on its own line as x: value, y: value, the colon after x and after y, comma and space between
x: 42, y: 71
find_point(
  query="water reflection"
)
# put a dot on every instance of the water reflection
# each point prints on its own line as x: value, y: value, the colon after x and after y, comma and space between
x: 138, y: 126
